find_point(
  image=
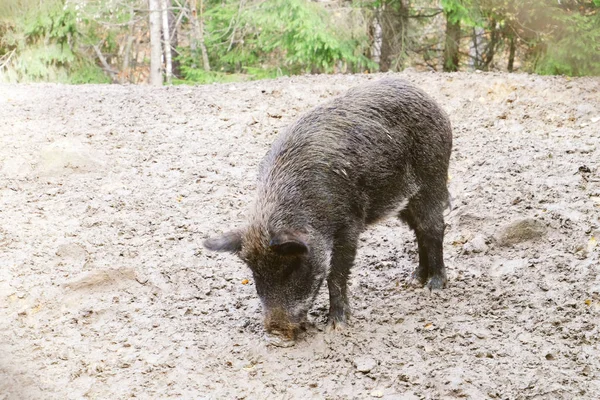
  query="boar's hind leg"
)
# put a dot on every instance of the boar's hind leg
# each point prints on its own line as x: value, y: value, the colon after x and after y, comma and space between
x: 342, y: 259
x: 424, y: 215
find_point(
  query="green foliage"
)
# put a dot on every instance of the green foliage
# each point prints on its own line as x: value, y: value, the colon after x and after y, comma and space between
x: 44, y: 41
x: 54, y: 40
x: 302, y: 32
x: 191, y: 73
x: 85, y: 71
x: 275, y: 37
x: 461, y: 11
x: 12, y: 8
x: 50, y: 23
x: 574, y: 46
x: 557, y: 37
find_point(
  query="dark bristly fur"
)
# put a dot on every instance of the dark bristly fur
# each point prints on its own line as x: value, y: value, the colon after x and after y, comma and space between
x: 383, y: 148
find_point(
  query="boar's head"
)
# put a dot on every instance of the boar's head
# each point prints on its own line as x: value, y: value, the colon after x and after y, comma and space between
x: 289, y: 266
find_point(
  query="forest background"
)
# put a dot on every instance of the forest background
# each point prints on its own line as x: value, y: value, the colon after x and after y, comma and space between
x: 203, y: 41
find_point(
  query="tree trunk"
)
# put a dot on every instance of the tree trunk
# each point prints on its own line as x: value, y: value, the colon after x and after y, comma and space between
x: 403, y: 12
x: 491, y: 47
x: 198, y: 36
x: 135, y: 76
x: 393, y: 20
x: 164, y: 12
x: 477, y: 48
x: 452, y: 43
x: 125, y: 75
x: 387, y: 33
x: 125, y: 67
x: 173, y: 24
x: 155, y: 46
x: 511, y: 54
x: 376, y: 34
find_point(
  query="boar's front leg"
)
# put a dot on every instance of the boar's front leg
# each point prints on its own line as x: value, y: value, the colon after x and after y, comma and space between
x: 342, y: 258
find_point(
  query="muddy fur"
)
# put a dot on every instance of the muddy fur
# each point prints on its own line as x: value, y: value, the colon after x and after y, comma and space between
x: 383, y: 148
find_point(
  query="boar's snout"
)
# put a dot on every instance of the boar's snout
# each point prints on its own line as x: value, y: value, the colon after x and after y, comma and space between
x: 278, y: 322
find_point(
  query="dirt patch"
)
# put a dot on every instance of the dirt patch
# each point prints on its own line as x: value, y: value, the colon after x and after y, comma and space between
x: 105, y: 291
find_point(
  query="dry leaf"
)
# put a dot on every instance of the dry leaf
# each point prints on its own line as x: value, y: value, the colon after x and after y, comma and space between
x: 592, y: 243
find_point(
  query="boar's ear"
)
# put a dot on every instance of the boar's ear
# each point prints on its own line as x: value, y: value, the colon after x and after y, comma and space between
x: 288, y: 243
x: 230, y: 241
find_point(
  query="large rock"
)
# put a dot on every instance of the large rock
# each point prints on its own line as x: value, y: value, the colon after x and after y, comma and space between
x: 68, y: 155
x: 521, y: 231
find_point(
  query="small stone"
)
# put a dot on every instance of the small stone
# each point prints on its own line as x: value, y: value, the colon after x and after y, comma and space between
x: 521, y: 231
x: 377, y: 394
x: 586, y: 370
x: 476, y: 245
x: 71, y: 250
x: 481, y: 333
x: 279, y: 341
x: 364, y: 364
x: 581, y: 251
x: 550, y: 353
x: 524, y: 337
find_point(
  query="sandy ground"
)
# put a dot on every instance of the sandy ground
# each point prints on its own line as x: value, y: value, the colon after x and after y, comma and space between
x: 106, y: 193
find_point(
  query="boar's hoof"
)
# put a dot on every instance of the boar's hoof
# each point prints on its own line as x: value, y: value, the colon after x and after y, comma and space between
x: 436, y: 282
x: 418, y: 278
x: 336, y: 325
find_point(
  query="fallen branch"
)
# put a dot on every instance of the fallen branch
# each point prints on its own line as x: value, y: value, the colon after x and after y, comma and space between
x: 102, y: 59
x: 8, y: 57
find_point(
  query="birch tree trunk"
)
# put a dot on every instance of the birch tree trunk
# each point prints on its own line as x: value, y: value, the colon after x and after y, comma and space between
x: 164, y: 12
x: 477, y: 48
x: 377, y: 36
x: 155, y: 46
